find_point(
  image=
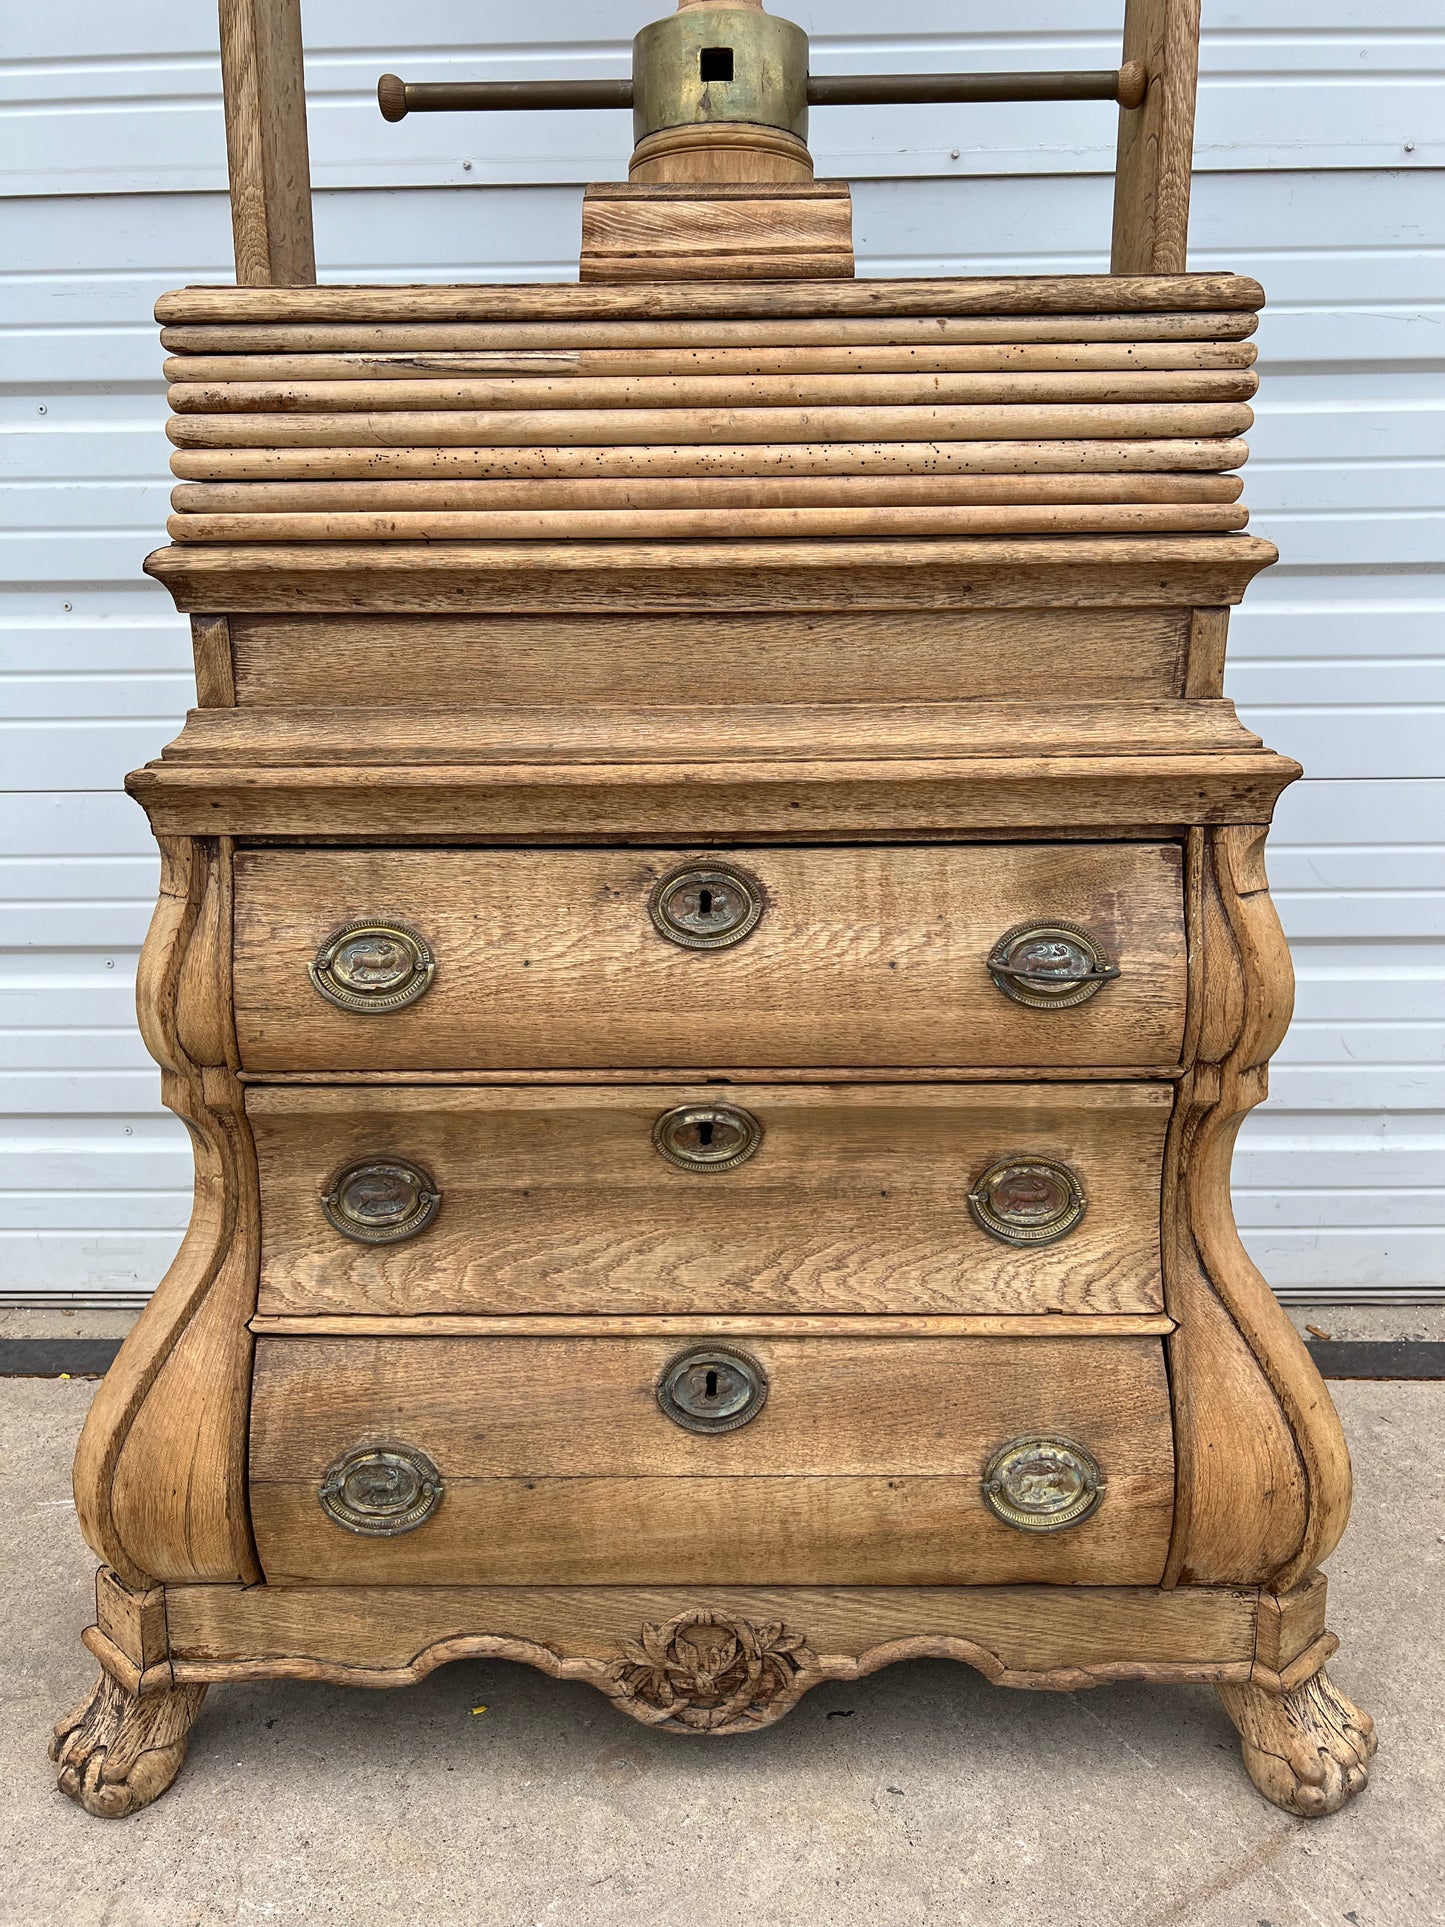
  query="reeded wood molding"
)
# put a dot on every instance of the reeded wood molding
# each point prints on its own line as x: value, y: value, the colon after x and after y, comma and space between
x: 1024, y: 294
x: 160, y: 1468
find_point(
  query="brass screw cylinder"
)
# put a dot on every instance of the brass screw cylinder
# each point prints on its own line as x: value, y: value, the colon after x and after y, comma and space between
x: 720, y: 63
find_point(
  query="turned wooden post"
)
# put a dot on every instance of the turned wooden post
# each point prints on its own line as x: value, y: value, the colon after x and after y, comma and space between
x: 1156, y: 141
x: 263, y: 83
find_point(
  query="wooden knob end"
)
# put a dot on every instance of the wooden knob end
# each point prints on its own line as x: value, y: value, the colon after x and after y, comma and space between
x: 391, y: 97
x: 1133, y: 83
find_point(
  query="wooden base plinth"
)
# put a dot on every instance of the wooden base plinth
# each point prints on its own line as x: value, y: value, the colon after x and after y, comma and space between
x: 713, y: 1660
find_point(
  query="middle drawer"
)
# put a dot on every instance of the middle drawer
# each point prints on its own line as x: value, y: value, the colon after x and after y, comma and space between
x: 717, y: 1198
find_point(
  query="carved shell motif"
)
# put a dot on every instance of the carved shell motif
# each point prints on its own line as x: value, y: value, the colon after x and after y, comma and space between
x: 705, y: 1672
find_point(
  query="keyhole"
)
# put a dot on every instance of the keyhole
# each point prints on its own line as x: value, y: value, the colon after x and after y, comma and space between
x: 704, y: 1131
x: 715, y: 63
x: 710, y: 1389
x: 704, y: 903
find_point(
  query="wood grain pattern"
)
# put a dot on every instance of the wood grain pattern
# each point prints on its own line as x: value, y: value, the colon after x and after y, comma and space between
x: 635, y: 234
x: 1262, y: 1499
x: 865, y: 1462
x: 555, y: 1201
x: 1020, y: 1635
x: 1069, y: 420
x: 787, y: 1325
x: 813, y: 524
x: 691, y: 394
x: 1140, y: 797
x: 1156, y: 141
x: 560, y: 360
x: 836, y: 655
x: 558, y: 735
x: 1128, y: 571
x: 862, y: 956
x: 1082, y: 294
x: 763, y: 462
x: 160, y: 1468
x: 719, y: 334
x: 264, y: 86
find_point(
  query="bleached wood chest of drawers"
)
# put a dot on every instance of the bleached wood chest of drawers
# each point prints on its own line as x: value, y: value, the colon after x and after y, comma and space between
x: 713, y: 945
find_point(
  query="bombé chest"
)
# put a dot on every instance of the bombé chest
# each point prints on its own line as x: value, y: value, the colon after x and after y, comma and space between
x: 714, y: 944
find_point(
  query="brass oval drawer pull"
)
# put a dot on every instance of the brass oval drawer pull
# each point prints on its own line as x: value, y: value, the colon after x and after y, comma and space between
x: 1027, y: 1201
x: 707, y: 1137
x: 1050, y: 966
x: 713, y: 1389
x: 380, y: 1491
x: 1042, y: 1484
x: 382, y: 1201
x: 373, y: 965
x: 706, y: 906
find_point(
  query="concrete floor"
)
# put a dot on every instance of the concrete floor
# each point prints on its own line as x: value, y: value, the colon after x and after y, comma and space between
x: 919, y: 1798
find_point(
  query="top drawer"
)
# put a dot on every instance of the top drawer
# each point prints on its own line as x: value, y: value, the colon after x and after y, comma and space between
x: 561, y: 959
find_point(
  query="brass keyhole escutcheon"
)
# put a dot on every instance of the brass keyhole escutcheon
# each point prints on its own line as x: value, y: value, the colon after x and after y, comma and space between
x: 373, y: 965
x: 1050, y: 966
x: 380, y: 1491
x: 707, y: 1137
x: 381, y: 1201
x: 1027, y: 1201
x: 706, y: 906
x: 712, y: 1389
x: 1042, y: 1484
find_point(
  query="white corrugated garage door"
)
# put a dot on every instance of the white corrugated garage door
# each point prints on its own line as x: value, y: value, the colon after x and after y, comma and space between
x: 1319, y: 148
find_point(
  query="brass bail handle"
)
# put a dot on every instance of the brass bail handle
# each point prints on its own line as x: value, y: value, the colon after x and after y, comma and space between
x: 728, y: 60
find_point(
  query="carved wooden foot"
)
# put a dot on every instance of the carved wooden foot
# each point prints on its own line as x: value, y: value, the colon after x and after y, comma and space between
x: 1307, y: 1750
x: 117, y: 1753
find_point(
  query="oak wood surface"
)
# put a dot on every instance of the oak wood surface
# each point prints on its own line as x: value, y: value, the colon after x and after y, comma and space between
x: 1028, y: 1630
x: 812, y: 332
x: 1141, y: 798
x: 612, y: 733
x: 704, y: 491
x: 814, y: 656
x: 1083, y: 294
x: 824, y: 422
x: 1156, y: 141
x: 689, y: 394
x: 549, y: 957
x: 562, y: 360
x: 864, y: 1462
x: 637, y: 233
x: 786, y: 1325
x: 264, y: 89
x: 591, y: 525
x: 971, y: 572
x: 787, y: 462
x: 555, y: 1201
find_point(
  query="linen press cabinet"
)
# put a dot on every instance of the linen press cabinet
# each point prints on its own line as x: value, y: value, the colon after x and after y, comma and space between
x: 713, y: 946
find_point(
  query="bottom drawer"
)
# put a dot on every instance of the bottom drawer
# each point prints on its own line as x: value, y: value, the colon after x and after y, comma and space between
x: 851, y: 1461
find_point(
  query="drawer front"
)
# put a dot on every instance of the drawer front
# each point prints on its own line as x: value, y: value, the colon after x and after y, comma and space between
x: 557, y: 959
x: 855, y: 1199
x: 557, y: 1464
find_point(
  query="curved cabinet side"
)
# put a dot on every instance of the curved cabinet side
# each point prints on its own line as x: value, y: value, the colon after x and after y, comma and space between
x: 1263, y: 1471
x: 160, y: 1468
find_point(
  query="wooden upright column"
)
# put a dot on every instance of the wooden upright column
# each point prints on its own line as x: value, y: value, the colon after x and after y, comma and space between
x: 262, y: 78
x: 1156, y: 141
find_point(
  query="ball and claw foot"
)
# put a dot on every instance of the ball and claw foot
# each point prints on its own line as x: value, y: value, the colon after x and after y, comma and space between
x: 1308, y: 1751
x: 117, y: 1753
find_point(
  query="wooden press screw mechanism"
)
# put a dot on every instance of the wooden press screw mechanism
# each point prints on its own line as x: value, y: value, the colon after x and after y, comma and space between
x: 720, y: 91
